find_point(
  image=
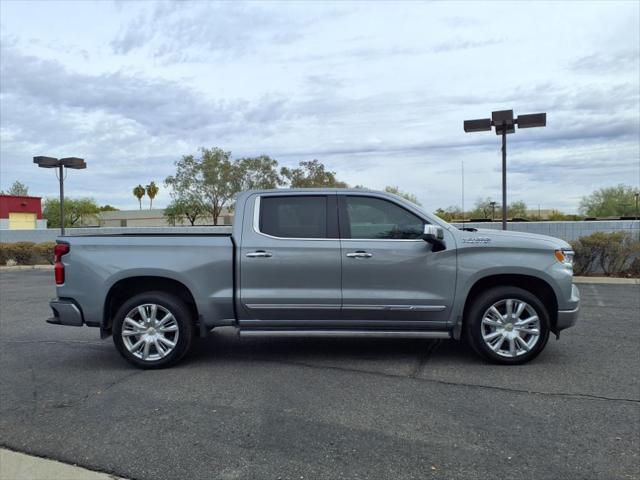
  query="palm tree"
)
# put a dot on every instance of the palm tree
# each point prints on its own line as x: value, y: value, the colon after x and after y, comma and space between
x: 152, y: 191
x: 138, y: 192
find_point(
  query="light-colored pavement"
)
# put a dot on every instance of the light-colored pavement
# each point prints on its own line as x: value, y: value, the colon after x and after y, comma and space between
x: 18, y: 466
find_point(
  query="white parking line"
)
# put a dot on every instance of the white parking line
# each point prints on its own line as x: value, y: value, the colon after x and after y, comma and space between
x: 594, y: 289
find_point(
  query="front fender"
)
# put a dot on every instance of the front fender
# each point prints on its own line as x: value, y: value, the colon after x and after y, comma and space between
x: 476, y: 264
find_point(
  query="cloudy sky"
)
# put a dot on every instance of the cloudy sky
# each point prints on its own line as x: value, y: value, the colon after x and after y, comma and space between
x: 376, y: 91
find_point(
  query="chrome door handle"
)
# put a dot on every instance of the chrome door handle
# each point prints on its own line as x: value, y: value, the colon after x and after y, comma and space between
x: 259, y: 254
x: 359, y: 255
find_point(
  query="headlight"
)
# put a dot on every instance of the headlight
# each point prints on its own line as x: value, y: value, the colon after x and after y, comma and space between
x: 565, y: 256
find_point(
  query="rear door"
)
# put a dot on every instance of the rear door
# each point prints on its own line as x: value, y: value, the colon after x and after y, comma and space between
x: 389, y: 273
x: 290, y: 262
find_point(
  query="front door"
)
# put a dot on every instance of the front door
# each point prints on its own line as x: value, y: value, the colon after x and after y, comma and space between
x: 389, y: 274
x: 290, y: 264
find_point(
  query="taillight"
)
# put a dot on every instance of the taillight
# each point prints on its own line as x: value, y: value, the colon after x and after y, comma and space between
x: 58, y: 267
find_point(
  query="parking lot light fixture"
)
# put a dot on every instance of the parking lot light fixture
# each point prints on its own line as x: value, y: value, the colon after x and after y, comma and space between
x: 493, y: 211
x: 504, y: 123
x: 62, y: 163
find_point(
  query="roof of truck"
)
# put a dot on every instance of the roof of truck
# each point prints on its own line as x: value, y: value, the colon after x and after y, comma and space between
x: 318, y: 189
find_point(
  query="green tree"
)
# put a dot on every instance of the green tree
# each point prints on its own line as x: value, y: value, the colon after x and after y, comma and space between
x: 139, y: 192
x: 483, y: 208
x: 407, y: 196
x: 18, y: 189
x: 449, y: 214
x: 517, y: 209
x: 152, y: 190
x: 556, y: 215
x: 77, y: 212
x: 179, y: 209
x: 259, y: 173
x: 311, y: 174
x: 212, y: 178
x: 610, y: 202
x: 108, y: 208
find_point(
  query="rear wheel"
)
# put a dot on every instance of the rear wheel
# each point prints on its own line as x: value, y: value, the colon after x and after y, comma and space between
x: 507, y: 325
x: 153, y: 330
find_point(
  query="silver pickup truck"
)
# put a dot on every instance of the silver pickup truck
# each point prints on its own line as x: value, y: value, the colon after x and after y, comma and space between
x: 319, y: 262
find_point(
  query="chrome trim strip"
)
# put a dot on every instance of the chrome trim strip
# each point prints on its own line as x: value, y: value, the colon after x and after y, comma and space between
x: 345, y: 333
x: 327, y: 306
x: 382, y: 240
x: 256, y: 229
x: 294, y: 306
x: 413, y: 308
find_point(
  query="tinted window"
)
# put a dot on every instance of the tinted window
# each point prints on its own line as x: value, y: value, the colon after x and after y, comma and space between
x: 376, y: 218
x: 294, y: 217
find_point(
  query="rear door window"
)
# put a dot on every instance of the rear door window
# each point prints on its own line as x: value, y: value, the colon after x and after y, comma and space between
x: 294, y: 216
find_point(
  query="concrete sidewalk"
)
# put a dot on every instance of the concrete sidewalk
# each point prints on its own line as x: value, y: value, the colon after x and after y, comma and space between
x: 19, y: 466
x: 607, y: 280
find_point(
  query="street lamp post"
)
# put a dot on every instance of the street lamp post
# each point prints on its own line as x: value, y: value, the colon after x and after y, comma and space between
x: 504, y: 124
x: 60, y: 164
x: 625, y: 208
x: 493, y: 211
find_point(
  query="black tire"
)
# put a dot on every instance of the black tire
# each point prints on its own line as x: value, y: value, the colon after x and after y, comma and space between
x: 473, y: 328
x: 183, y: 319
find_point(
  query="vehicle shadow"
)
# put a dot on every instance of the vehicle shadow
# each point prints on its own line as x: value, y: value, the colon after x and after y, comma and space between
x: 220, y: 345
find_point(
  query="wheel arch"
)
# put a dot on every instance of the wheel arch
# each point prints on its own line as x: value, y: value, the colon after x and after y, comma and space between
x: 536, y: 285
x: 126, y: 288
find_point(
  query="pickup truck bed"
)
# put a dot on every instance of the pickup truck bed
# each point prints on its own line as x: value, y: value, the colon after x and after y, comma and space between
x: 103, y: 268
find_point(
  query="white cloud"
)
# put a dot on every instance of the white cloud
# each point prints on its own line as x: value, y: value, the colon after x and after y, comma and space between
x: 376, y: 91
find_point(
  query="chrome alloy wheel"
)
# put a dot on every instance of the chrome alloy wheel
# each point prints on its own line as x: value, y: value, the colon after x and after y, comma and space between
x: 510, y: 327
x: 150, y: 332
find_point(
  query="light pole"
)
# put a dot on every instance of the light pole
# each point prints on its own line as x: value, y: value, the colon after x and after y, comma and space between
x: 637, y: 195
x: 60, y: 164
x: 504, y: 124
x: 493, y: 211
x: 625, y: 208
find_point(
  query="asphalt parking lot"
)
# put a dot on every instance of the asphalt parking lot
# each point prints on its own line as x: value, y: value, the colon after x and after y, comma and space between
x: 301, y: 408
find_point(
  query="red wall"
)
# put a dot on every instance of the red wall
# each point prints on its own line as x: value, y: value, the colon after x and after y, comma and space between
x: 13, y: 203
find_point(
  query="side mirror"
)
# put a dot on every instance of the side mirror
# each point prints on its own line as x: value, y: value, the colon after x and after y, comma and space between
x: 435, y: 236
x: 432, y: 234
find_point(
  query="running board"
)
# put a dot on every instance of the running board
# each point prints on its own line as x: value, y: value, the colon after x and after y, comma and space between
x: 345, y: 333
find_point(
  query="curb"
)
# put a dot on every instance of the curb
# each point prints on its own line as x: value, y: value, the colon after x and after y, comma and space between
x: 17, y: 268
x: 607, y: 280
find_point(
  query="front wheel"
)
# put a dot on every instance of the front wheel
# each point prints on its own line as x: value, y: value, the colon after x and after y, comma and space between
x: 507, y: 325
x: 153, y: 330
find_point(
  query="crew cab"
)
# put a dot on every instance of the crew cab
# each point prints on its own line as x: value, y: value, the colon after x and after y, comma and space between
x: 319, y: 262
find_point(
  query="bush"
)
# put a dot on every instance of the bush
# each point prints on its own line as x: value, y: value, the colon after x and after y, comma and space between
x: 21, y: 252
x: 44, y: 252
x: 613, y: 253
x: 634, y: 268
x: 26, y: 253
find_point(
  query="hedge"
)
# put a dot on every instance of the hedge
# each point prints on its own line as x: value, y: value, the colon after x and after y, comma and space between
x: 614, y: 254
x: 27, y: 253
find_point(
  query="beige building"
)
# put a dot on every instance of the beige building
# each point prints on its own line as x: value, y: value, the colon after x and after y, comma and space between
x: 542, y: 213
x: 154, y: 218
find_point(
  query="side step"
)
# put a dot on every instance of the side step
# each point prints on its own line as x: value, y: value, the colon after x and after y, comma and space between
x: 346, y: 333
